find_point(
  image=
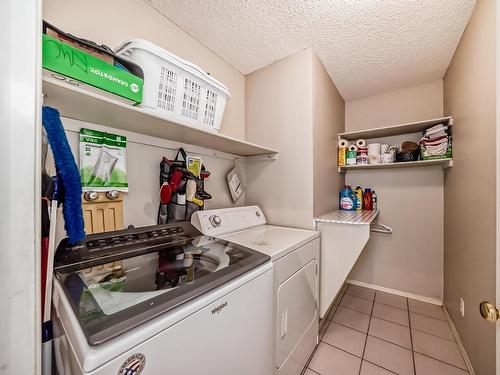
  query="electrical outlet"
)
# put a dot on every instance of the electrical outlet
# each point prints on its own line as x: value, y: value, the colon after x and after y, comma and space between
x: 462, y: 307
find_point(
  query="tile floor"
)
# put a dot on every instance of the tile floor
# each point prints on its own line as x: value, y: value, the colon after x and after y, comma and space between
x: 376, y: 333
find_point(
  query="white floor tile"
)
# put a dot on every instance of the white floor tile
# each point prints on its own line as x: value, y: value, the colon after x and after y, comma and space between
x: 389, y: 356
x: 345, y: 338
x: 332, y: 361
x: 392, y: 314
x: 438, y: 348
x: 428, y: 366
x: 352, y: 319
x: 392, y: 332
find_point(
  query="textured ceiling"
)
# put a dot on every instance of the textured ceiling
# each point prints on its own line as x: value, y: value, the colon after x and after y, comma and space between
x: 367, y: 46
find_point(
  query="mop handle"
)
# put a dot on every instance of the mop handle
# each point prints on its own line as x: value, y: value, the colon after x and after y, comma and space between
x: 51, y: 250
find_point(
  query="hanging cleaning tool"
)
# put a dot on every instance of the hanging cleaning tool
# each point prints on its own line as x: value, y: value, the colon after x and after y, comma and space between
x: 47, y: 333
x: 67, y: 170
x: 67, y: 182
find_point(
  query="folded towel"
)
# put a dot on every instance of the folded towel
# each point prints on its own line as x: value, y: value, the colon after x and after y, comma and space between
x: 434, y: 141
x: 436, y: 135
x: 436, y: 128
x: 438, y: 150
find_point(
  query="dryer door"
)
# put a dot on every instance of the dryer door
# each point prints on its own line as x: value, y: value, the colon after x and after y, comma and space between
x: 296, y: 314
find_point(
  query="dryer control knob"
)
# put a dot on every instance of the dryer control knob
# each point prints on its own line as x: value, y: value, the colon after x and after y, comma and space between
x: 215, y: 220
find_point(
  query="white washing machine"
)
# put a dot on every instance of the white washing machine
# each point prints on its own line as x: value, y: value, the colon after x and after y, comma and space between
x: 295, y: 256
x: 162, y: 300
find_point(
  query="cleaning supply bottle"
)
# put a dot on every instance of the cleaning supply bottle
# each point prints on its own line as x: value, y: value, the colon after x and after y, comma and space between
x: 359, y: 195
x: 374, y: 200
x: 368, y: 200
x: 347, y: 199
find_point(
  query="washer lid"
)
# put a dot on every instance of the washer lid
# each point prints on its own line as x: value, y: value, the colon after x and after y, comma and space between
x: 129, y: 277
x: 272, y: 240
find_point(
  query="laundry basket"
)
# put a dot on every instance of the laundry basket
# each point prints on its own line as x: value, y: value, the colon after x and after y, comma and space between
x: 176, y: 88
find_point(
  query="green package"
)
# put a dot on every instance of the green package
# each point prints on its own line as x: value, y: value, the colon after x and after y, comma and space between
x: 103, y: 162
x: 74, y: 63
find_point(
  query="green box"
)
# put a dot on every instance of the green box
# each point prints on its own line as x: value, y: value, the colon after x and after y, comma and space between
x: 60, y: 57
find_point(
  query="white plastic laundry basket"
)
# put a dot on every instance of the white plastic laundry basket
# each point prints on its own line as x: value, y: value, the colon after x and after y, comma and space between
x: 176, y: 88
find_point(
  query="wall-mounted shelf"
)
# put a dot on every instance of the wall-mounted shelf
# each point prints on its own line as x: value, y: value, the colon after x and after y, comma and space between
x: 389, y: 131
x: 443, y: 163
x: 363, y: 217
x: 77, y: 103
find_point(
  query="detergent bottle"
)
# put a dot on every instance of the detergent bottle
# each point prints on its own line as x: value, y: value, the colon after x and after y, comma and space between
x: 359, y: 196
x: 368, y: 200
x: 347, y: 199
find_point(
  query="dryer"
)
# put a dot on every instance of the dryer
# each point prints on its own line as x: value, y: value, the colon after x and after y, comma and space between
x: 295, y: 257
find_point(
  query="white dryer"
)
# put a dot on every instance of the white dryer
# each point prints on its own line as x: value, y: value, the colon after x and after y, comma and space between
x: 295, y: 256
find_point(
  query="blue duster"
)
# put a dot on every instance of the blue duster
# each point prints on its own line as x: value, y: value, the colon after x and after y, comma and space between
x: 69, y: 175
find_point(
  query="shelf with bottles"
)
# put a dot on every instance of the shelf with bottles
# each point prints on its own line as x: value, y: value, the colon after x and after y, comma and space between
x: 357, y: 199
x: 418, y: 144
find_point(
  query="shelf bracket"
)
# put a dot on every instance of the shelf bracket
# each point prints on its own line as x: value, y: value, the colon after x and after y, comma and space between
x: 263, y: 157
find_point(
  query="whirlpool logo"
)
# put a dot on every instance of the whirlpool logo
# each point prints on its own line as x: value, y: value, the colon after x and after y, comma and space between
x: 219, y: 308
x: 133, y: 365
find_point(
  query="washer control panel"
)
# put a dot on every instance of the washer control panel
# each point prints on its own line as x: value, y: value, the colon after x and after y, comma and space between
x: 215, y: 220
x: 227, y: 220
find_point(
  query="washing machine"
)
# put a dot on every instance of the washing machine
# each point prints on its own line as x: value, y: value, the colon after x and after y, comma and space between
x: 295, y: 257
x: 162, y: 300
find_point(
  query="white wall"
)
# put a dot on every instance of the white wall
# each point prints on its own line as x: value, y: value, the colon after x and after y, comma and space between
x: 411, y: 200
x: 144, y: 155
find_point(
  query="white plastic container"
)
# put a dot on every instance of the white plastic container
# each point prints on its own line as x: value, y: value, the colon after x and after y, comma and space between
x: 175, y: 88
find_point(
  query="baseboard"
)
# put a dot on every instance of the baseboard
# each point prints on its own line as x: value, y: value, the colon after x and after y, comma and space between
x: 434, y: 301
x: 459, y: 342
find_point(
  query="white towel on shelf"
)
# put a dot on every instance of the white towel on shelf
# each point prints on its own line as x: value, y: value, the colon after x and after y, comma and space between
x: 436, y: 135
x: 435, y: 129
x: 437, y: 150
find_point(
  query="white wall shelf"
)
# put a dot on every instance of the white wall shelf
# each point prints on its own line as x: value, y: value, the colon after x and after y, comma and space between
x: 77, y: 103
x: 362, y: 217
x: 389, y: 131
x: 443, y: 163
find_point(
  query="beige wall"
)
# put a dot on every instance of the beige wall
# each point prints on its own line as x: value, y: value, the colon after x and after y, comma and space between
x: 328, y: 121
x: 470, y: 204
x: 411, y: 200
x: 396, y: 107
x: 279, y: 113
x: 293, y: 106
x: 140, y: 204
x: 112, y: 22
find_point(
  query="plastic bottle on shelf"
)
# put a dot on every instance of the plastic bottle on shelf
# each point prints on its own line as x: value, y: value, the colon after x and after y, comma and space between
x: 374, y: 200
x: 347, y: 199
x: 368, y: 200
x: 359, y: 195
